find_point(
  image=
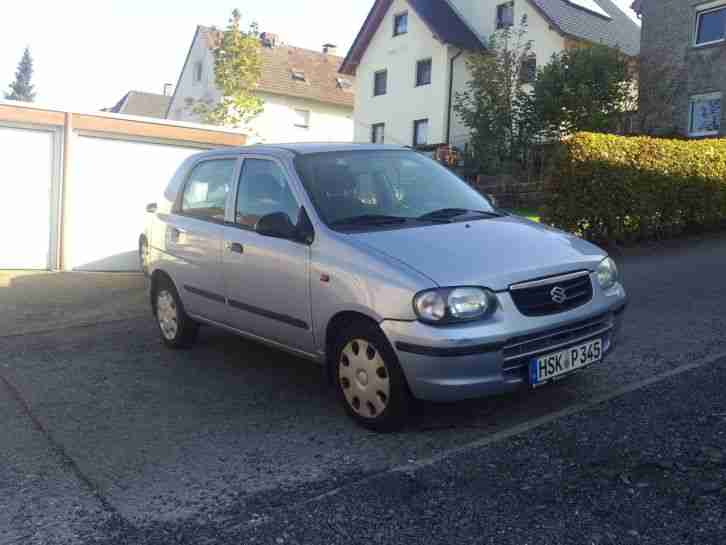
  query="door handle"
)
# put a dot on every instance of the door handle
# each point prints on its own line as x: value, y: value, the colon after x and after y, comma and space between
x: 235, y: 247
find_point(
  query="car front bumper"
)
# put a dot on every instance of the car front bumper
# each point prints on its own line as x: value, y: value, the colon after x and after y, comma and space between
x: 474, y: 360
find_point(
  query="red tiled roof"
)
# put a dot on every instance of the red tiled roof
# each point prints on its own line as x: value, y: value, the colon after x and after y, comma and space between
x: 321, y: 75
x: 322, y: 82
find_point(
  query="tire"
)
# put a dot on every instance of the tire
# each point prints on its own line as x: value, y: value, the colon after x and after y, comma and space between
x: 144, y: 256
x: 177, y: 329
x: 369, y: 380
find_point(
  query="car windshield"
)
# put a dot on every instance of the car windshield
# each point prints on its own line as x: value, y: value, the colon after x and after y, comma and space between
x: 371, y: 189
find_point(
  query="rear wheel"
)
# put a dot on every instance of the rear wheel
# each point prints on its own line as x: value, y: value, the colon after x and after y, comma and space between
x: 369, y: 379
x: 177, y: 329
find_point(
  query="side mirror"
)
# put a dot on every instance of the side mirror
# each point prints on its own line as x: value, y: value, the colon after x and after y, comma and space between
x: 151, y: 208
x: 278, y: 225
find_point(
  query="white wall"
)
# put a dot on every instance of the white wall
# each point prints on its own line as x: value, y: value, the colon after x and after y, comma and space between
x: 328, y: 122
x: 112, y: 182
x: 404, y: 102
x: 29, y: 159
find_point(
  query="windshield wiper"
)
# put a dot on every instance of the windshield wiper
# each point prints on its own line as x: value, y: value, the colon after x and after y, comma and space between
x: 368, y: 220
x: 450, y: 214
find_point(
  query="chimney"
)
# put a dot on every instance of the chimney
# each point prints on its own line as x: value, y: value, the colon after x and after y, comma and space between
x: 269, y: 39
x: 330, y: 49
x: 168, y: 88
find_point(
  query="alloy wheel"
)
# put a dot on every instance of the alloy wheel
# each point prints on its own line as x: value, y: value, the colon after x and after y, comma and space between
x: 167, y: 314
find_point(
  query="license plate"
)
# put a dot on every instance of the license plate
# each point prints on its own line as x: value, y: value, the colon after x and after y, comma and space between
x: 544, y: 369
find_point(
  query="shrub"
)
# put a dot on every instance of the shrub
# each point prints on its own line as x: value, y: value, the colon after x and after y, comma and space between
x: 623, y: 189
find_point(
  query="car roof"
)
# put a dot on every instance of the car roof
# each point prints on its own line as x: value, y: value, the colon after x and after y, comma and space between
x: 301, y: 149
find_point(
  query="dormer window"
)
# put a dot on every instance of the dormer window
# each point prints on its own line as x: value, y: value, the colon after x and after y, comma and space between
x: 298, y: 75
x: 400, y: 24
x: 505, y: 15
x: 344, y: 84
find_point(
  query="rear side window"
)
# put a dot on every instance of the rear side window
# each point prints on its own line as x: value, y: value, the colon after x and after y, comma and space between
x: 206, y: 190
x: 263, y: 190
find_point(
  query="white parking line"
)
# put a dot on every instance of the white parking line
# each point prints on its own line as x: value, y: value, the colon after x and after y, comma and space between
x: 519, y: 428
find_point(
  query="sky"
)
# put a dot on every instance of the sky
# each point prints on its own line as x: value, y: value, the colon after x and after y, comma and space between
x: 89, y: 53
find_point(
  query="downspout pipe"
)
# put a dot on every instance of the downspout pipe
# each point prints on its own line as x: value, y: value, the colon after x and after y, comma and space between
x: 451, y: 95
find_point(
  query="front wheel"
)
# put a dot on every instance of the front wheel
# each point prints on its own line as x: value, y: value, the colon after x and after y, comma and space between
x: 369, y: 379
x: 177, y: 329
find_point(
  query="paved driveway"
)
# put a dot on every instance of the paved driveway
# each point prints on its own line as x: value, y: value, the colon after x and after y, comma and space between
x: 109, y: 437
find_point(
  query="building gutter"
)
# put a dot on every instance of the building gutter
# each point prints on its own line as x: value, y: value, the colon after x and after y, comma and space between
x: 451, y: 95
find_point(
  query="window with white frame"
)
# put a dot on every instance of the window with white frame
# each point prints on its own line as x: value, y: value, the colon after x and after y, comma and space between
x: 420, y: 132
x: 378, y: 133
x: 705, y: 115
x: 400, y: 24
x: 198, y: 71
x: 302, y: 119
x: 505, y: 15
x: 711, y: 25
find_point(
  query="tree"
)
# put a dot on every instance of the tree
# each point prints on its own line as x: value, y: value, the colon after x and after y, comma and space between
x: 21, y: 89
x: 495, y: 105
x: 586, y: 88
x: 237, y: 70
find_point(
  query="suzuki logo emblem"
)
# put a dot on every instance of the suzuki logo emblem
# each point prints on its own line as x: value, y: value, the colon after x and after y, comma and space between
x: 558, y: 294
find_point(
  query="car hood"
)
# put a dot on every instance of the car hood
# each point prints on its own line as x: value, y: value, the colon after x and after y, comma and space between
x: 493, y: 253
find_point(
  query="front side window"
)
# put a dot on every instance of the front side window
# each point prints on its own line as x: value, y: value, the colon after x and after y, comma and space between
x: 421, y: 132
x: 423, y: 72
x: 263, y: 189
x: 205, y: 193
x: 505, y: 15
x: 705, y: 115
x: 400, y: 24
x: 379, y: 185
x: 711, y: 26
x: 380, y: 83
x: 378, y: 133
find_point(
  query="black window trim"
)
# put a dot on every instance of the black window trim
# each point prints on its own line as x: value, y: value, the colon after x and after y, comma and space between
x: 245, y: 158
x: 699, y: 15
x: 177, y: 208
x: 396, y: 17
x: 373, y: 132
x: 375, y: 80
x: 429, y: 60
x: 498, y: 22
x: 416, y: 123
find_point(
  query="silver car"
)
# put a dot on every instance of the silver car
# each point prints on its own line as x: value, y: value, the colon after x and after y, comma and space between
x: 381, y: 265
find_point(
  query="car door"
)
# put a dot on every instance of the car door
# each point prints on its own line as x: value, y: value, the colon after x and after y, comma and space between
x: 193, y: 236
x: 266, y: 278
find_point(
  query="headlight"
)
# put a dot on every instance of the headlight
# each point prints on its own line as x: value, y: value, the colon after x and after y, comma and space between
x: 607, y: 273
x: 452, y: 305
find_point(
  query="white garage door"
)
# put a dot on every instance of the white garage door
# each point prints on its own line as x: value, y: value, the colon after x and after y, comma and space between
x: 113, y: 182
x: 26, y: 174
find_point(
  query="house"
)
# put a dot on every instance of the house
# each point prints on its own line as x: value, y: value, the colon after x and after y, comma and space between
x: 409, y: 58
x: 305, y: 98
x: 689, y: 36
x: 141, y: 104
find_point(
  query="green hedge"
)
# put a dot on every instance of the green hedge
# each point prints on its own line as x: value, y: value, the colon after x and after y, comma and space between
x: 625, y: 189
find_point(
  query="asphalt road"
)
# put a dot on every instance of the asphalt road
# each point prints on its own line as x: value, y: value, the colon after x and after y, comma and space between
x: 109, y: 438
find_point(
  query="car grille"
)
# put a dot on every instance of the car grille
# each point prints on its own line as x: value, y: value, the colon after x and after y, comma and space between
x: 518, y: 350
x: 538, y: 298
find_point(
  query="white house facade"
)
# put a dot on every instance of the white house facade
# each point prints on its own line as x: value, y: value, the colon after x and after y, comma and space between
x: 305, y: 98
x: 409, y: 58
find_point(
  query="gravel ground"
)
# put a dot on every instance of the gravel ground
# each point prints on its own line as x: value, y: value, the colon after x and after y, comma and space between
x: 112, y: 439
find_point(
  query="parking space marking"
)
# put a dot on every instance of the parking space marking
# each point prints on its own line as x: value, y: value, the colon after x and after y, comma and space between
x: 518, y: 429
